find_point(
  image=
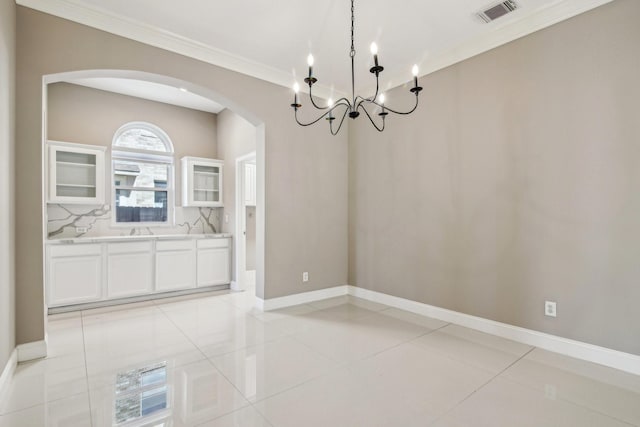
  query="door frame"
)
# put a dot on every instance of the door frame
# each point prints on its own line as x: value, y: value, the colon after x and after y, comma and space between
x: 240, y: 222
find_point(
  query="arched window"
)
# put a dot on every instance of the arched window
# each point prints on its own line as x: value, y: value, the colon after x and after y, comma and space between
x: 142, y: 164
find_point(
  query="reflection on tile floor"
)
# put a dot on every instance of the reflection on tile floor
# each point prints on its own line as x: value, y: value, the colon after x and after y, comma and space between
x: 215, y: 360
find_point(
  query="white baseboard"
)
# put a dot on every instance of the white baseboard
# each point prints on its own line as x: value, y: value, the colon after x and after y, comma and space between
x: 32, y: 350
x: 592, y: 353
x: 302, y: 298
x: 7, y: 372
x: 580, y: 350
x: 235, y: 287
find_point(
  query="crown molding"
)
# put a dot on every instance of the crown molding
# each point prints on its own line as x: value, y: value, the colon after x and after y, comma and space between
x: 122, y: 26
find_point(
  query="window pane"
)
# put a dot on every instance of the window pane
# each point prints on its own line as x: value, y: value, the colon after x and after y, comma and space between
x: 139, y: 174
x: 141, y: 206
x: 141, y: 139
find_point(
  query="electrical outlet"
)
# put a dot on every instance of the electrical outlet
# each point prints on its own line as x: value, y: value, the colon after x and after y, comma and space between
x: 550, y: 308
x: 81, y: 229
x: 550, y: 392
x: 305, y: 276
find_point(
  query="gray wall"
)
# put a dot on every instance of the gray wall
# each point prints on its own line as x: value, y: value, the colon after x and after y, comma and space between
x: 90, y: 116
x: 517, y: 180
x: 306, y: 169
x: 7, y: 190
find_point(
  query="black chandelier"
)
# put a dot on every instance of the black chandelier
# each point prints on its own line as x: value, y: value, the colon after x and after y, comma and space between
x: 357, y: 103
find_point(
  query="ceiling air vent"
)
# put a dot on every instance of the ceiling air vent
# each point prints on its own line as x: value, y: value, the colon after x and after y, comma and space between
x: 495, y: 11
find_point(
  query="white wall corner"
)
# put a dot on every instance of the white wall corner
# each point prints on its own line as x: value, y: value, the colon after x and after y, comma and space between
x: 7, y: 373
x: 592, y: 353
x: 32, y: 350
x: 301, y: 298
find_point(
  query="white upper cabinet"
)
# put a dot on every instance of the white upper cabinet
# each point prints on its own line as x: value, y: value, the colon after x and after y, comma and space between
x: 76, y: 173
x: 201, y: 182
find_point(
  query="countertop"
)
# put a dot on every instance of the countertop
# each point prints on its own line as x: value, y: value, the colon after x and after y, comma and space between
x: 146, y: 237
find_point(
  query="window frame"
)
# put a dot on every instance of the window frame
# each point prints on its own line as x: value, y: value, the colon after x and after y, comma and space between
x: 167, y: 158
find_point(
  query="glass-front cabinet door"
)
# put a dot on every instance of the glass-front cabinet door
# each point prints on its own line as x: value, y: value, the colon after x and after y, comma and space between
x: 201, y: 182
x: 76, y: 173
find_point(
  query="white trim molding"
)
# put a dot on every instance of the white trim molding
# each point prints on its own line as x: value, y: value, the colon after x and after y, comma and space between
x: 32, y: 350
x: 580, y: 350
x: 152, y: 35
x: 592, y: 353
x: 301, y: 298
x: 96, y: 17
x: 7, y: 372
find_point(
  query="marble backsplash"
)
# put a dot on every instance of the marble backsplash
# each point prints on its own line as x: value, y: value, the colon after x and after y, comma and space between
x: 63, y: 221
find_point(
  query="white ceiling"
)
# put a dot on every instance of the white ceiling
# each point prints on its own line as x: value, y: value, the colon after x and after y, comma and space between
x: 151, y: 91
x: 271, y: 39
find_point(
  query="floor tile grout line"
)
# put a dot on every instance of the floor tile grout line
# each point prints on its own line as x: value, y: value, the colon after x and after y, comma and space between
x: 86, y: 368
x: 207, y: 359
x: 26, y: 408
x: 484, y: 384
x: 564, y: 399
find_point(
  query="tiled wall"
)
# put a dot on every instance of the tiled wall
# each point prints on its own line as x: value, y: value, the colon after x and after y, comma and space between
x: 63, y: 221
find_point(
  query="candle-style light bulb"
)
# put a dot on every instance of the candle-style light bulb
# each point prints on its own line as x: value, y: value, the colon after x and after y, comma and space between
x: 415, y: 71
x: 383, y: 112
x: 330, y: 105
x: 296, y: 89
x: 310, y: 63
x: 374, y: 52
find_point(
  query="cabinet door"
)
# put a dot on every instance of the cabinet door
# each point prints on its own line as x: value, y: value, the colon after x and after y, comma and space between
x: 74, y: 278
x: 129, y: 269
x: 175, y: 266
x: 202, y: 182
x: 213, y: 266
x: 76, y: 174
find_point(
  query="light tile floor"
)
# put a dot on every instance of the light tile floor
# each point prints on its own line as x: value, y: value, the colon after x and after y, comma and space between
x: 338, y: 362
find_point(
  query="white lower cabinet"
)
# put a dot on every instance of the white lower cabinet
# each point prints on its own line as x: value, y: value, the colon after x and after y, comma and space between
x: 81, y: 273
x: 74, y: 274
x: 175, y: 265
x: 129, y: 269
x: 213, y: 262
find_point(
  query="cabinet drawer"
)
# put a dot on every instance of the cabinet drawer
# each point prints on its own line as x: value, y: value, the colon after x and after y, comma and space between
x: 213, y: 243
x: 129, y: 247
x: 175, y: 245
x: 74, y: 249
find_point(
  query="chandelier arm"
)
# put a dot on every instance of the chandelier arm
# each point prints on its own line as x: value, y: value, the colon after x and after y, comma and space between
x: 310, y: 123
x: 319, y: 118
x: 398, y: 112
x: 371, y: 119
x: 312, y: 101
x: 344, y: 115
